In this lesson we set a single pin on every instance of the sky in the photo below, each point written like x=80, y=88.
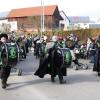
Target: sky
x=89, y=8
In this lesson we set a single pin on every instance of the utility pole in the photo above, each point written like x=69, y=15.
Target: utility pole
x=42, y=17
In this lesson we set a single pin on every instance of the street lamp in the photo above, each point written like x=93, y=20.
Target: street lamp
x=42, y=17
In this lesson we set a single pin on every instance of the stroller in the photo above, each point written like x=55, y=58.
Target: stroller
x=82, y=66
x=80, y=53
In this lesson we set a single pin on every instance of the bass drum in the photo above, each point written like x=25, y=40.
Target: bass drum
x=62, y=57
x=10, y=54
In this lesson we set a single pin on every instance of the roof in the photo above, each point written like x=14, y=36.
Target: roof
x=3, y=15
x=79, y=19
x=32, y=11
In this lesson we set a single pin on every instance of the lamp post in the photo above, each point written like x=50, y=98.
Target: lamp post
x=42, y=17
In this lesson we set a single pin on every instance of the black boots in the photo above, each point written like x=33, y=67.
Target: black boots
x=4, y=86
x=61, y=80
x=4, y=83
x=52, y=79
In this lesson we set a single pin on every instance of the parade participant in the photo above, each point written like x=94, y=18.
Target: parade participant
x=57, y=69
x=89, y=42
x=25, y=42
x=39, y=44
x=48, y=66
x=61, y=42
x=92, y=51
x=97, y=56
x=5, y=71
x=45, y=38
x=71, y=45
x=22, y=46
x=36, y=38
x=29, y=42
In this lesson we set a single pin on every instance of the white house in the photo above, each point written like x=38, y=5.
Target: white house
x=5, y=25
x=65, y=20
x=75, y=22
x=81, y=22
x=78, y=22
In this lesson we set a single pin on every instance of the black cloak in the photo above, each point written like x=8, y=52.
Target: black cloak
x=50, y=65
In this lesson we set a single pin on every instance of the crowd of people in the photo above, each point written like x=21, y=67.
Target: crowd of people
x=51, y=58
x=55, y=54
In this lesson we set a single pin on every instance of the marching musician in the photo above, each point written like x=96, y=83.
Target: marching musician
x=47, y=64
x=5, y=71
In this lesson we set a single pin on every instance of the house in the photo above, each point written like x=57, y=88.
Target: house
x=6, y=26
x=65, y=20
x=77, y=22
x=29, y=19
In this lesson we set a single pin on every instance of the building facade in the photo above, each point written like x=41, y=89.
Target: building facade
x=29, y=19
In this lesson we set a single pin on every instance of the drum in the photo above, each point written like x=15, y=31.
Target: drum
x=64, y=56
x=9, y=54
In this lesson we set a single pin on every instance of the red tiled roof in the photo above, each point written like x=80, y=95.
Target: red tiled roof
x=32, y=11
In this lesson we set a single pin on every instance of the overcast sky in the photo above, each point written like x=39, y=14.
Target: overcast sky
x=89, y=8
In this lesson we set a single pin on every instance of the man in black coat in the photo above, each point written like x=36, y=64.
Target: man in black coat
x=50, y=64
x=57, y=68
x=97, y=56
x=5, y=71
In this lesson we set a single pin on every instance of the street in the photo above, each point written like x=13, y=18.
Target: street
x=81, y=84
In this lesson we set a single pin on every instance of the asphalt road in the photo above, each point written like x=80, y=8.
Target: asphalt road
x=81, y=84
